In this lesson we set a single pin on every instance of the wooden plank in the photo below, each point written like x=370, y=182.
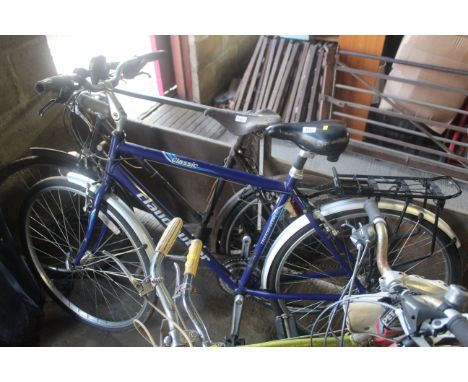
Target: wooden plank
x=156, y=114
x=287, y=112
x=254, y=78
x=371, y=44
x=285, y=78
x=265, y=75
x=245, y=78
x=324, y=106
x=172, y=116
x=178, y=66
x=182, y=122
x=187, y=69
x=263, y=70
x=304, y=82
x=271, y=79
x=280, y=75
x=187, y=123
x=315, y=82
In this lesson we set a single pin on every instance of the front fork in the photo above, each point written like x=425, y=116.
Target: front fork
x=99, y=196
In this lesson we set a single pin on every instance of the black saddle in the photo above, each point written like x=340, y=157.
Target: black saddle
x=328, y=138
x=240, y=124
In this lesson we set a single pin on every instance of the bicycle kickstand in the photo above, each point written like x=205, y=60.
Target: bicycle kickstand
x=237, y=309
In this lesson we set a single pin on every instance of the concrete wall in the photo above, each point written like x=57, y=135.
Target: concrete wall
x=23, y=61
x=216, y=60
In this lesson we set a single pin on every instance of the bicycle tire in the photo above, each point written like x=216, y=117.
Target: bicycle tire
x=445, y=250
x=98, y=293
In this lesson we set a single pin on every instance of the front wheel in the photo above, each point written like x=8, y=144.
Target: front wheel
x=300, y=263
x=54, y=220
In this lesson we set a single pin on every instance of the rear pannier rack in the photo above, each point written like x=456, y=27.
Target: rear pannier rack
x=438, y=188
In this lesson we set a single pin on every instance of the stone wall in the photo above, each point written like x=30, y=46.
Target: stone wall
x=217, y=60
x=23, y=61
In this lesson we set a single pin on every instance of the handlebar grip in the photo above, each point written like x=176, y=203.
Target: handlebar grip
x=458, y=325
x=153, y=56
x=55, y=83
x=169, y=236
x=193, y=257
x=370, y=205
x=132, y=67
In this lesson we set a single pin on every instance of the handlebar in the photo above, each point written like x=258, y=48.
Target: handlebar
x=375, y=217
x=458, y=326
x=98, y=72
x=436, y=297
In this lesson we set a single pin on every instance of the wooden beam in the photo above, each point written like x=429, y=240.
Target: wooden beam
x=178, y=66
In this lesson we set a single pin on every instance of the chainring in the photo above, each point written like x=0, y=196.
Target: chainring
x=236, y=266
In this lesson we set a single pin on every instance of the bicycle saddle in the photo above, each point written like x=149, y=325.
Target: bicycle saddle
x=240, y=124
x=328, y=138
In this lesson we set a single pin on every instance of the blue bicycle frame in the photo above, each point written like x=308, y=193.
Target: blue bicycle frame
x=115, y=172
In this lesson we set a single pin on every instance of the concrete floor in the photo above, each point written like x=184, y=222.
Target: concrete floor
x=214, y=304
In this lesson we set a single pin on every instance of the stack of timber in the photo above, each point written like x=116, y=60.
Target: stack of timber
x=289, y=77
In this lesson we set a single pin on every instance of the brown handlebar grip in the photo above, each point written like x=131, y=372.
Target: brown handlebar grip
x=193, y=257
x=169, y=236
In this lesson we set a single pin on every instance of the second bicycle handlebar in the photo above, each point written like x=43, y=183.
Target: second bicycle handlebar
x=126, y=69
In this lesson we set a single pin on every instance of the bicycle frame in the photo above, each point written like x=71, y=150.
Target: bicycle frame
x=115, y=172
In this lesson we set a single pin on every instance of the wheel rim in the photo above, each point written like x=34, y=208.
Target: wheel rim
x=99, y=292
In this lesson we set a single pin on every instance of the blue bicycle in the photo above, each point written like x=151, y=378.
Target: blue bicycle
x=75, y=226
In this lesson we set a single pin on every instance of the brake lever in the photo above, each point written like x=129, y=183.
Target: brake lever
x=47, y=106
x=143, y=73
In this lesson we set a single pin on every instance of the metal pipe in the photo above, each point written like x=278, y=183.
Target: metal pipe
x=343, y=68
x=409, y=145
x=404, y=99
x=408, y=160
x=164, y=296
x=405, y=62
x=397, y=128
x=342, y=103
x=382, y=246
x=372, y=210
x=166, y=100
x=192, y=313
x=402, y=110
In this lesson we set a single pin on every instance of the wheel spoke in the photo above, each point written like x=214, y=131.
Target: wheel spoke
x=97, y=291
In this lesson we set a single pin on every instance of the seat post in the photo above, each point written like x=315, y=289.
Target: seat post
x=297, y=169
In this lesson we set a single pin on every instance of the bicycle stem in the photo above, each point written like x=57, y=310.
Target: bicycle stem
x=372, y=209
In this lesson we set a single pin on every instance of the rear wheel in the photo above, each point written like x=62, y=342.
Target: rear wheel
x=303, y=253
x=54, y=220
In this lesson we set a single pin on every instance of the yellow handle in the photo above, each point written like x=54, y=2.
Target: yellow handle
x=193, y=257
x=169, y=236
